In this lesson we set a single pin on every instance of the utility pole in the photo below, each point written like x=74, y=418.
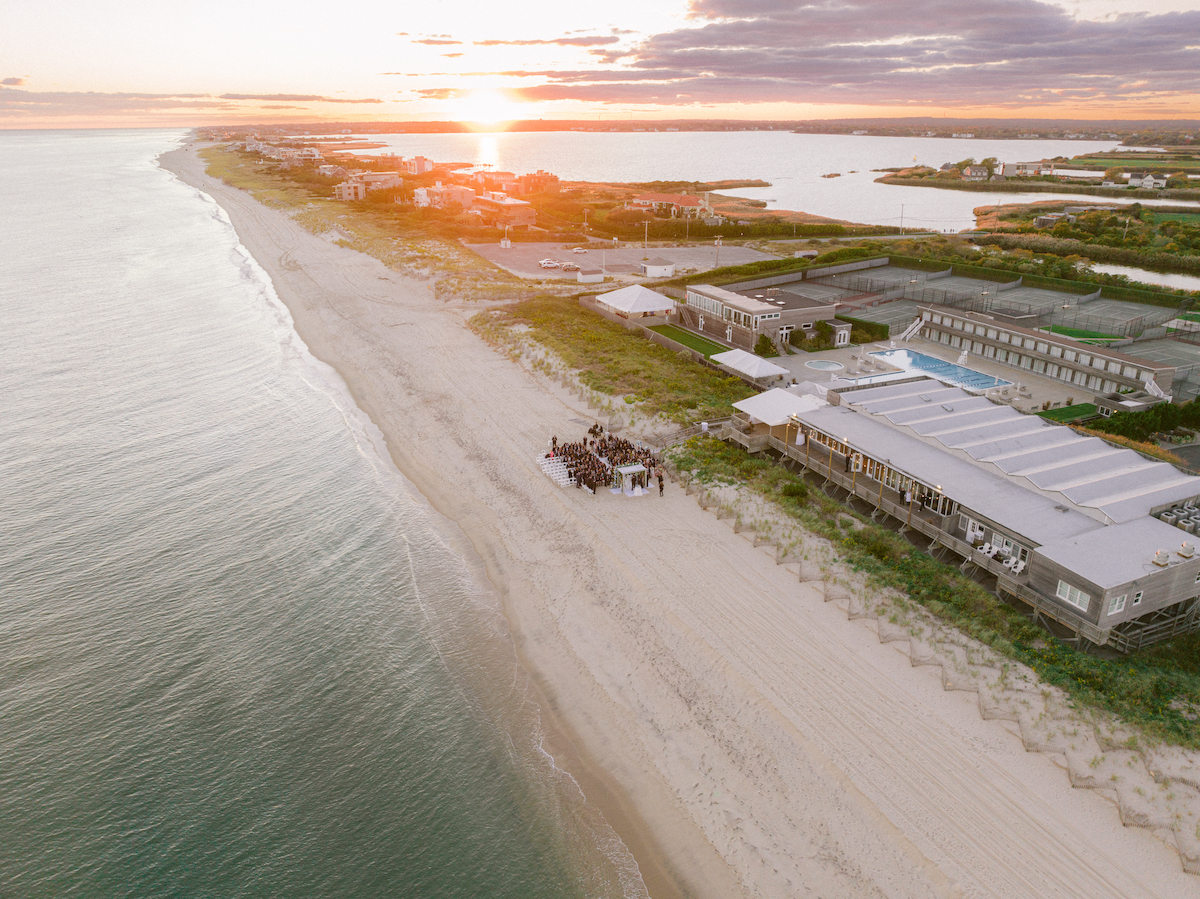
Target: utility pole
x=646, y=236
x=717, y=244
x=901, y=218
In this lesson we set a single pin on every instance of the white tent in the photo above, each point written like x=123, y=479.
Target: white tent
x=748, y=364
x=636, y=300
x=775, y=407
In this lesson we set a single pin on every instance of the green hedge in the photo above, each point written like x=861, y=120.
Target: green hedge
x=874, y=330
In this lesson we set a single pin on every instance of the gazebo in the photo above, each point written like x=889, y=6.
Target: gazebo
x=636, y=301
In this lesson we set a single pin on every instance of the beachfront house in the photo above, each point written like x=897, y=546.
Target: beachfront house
x=350, y=190
x=444, y=196
x=502, y=210
x=739, y=316
x=673, y=205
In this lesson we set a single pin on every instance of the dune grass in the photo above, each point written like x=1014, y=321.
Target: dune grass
x=614, y=361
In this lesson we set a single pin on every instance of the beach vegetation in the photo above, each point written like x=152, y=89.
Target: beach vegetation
x=612, y=361
x=1150, y=690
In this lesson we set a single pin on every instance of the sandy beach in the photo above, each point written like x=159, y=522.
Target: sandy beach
x=742, y=736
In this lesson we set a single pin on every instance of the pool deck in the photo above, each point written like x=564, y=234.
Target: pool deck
x=1035, y=391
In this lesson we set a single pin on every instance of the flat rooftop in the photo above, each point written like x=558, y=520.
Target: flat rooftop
x=1087, y=474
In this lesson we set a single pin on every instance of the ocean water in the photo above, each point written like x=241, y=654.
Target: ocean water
x=794, y=164
x=239, y=657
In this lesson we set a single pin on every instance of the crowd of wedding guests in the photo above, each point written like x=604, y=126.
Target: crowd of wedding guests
x=593, y=461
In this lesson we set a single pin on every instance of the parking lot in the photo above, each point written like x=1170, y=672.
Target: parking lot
x=621, y=262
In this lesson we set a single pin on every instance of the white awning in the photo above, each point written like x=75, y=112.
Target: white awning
x=775, y=407
x=749, y=364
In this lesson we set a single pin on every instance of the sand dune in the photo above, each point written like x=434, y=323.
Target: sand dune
x=744, y=737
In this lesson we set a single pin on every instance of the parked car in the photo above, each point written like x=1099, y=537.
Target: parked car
x=550, y=263
x=570, y=267
x=579, y=250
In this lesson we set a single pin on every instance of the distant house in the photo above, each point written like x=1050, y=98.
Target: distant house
x=379, y=180
x=975, y=173
x=440, y=197
x=1157, y=180
x=332, y=171
x=657, y=267
x=1051, y=219
x=678, y=205
x=311, y=153
x=589, y=275
x=498, y=208
x=539, y=182
x=350, y=190
x=418, y=165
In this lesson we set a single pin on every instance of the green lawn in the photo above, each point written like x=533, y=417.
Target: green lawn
x=1159, y=217
x=1190, y=317
x=690, y=340
x=1081, y=334
x=1070, y=413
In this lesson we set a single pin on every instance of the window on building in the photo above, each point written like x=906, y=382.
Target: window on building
x=991, y=333
x=1004, y=338
x=1073, y=596
x=1085, y=359
x=1056, y=351
x=937, y=319
x=1069, y=355
x=1137, y=598
x=1043, y=347
x=1116, y=604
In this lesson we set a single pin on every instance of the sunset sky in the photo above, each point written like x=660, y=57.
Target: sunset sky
x=131, y=62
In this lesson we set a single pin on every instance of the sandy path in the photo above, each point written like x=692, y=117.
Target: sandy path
x=770, y=747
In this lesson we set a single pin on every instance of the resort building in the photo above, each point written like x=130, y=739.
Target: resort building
x=740, y=316
x=1093, y=369
x=1091, y=535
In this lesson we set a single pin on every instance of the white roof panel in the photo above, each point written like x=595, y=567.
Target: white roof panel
x=1086, y=471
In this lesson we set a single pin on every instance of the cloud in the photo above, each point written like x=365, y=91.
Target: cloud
x=13, y=82
x=940, y=52
x=17, y=103
x=436, y=42
x=441, y=93
x=22, y=103
x=590, y=41
x=296, y=98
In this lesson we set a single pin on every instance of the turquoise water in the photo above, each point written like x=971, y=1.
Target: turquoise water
x=239, y=657
x=947, y=372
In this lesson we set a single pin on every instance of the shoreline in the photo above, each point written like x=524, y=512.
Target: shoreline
x=739, y=738
x=560, y=741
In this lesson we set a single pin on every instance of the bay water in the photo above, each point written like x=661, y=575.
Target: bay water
x=239, y=656
x=794, y=164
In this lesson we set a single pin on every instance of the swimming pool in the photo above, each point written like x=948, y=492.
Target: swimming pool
x=946, y=372
x=824, y=365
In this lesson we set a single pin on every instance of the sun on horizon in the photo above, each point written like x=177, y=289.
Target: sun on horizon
x=487, y=106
